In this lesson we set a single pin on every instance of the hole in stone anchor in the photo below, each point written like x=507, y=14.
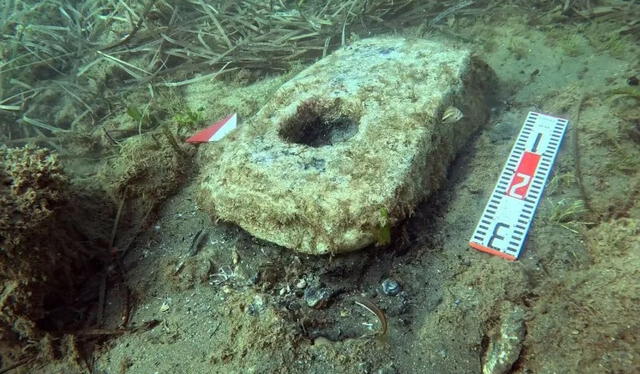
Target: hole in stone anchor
x=317, y=126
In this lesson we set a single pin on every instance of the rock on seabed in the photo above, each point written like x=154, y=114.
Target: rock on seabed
x=349, y=145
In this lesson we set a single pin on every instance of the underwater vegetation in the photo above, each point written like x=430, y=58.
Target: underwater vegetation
x=382, y=233
x=44, y=256
x=103, y=246
x=626, y=92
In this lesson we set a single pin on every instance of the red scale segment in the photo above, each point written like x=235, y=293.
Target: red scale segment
x=524, y=175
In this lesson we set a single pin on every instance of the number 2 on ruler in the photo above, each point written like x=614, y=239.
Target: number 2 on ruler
x=523, y=175
x=524, y=183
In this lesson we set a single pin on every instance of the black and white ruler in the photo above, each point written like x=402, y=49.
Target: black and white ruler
x=506, y=219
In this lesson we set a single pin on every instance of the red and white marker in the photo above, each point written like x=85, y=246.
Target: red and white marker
x=506, y=219
x=216, y=131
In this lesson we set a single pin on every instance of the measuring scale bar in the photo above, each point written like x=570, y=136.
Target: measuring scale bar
x=506, y=219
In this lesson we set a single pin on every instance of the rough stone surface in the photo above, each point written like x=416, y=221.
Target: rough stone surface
x=349, y=146
x=43, y=257
x=505, y=346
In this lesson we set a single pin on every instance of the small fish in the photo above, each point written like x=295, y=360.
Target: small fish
x=452, y=115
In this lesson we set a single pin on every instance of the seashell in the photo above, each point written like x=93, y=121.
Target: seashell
x=164, y=307
x=391, y=287
x=452, y=115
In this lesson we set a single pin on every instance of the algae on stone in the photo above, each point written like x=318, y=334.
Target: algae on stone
x=149, y=167
x=506, y=344
x=355, y=133
x=41, y=258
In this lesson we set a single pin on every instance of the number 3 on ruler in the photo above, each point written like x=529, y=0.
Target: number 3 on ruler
x=495, y=235
x=525, y=182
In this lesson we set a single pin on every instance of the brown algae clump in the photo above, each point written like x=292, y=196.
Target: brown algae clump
x=42, y=260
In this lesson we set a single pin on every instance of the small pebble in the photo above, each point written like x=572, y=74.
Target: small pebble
x=317, y=298
x=389, y=369
x=321, y=340
x=302, y=283
x=257, y=306
x=164, y=307
x=364, y=367
x=391, y=287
